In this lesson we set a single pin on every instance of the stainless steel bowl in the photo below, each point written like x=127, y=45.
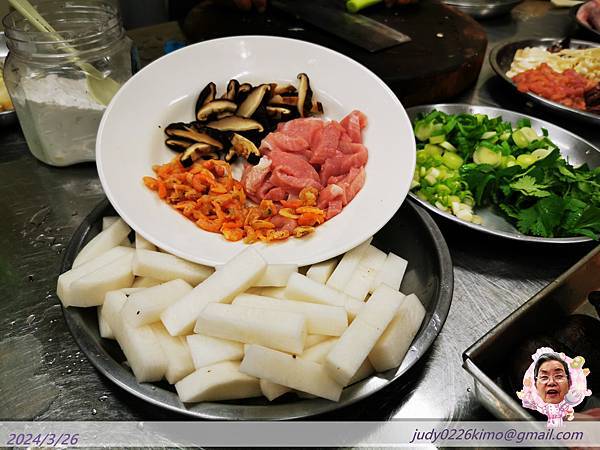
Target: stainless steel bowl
x=502, y=55
x=576, y=149
x=484, y=9
x=410, y=233
x=6, y=117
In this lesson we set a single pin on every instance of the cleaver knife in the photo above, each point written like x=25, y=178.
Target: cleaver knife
x=357, y=29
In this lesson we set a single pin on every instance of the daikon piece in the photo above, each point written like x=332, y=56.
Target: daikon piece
x=317, y=353
x=175, y=348
x=365, y=370
x=353, y=347
x=222, y=381
x=272, y=390
x=314, y=339
x=140, y=345
x=90, y=289
x=107, y=221
x=276, y=275
x=285, y=331
x=392, y=346
x=284, y=369
x=321, y=272
x=141, y=243
x=131, y=290
x=347, y=265
x=208, y=350
x=363, y=278
x=146, y=306
x=103, y=242
x=64, y=280
x=391, y=273
x=103, y=326
x=320, y=319
x=353, y=307
x=275, y=292
x=255, y=290
x=166, y=267
x=304, y=289
x=221, y=287
x=373, y=259
x=145, y=282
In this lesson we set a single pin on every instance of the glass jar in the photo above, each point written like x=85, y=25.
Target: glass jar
x=53, y=78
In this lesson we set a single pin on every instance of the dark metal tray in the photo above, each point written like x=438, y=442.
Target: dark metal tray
x=411, y=233
x=488, y=359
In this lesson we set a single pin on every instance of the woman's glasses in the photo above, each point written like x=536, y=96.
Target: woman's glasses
x=558, y=378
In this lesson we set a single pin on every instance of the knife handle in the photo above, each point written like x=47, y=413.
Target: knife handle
x=354, y=6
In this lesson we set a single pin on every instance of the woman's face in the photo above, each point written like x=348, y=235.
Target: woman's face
x=552, y=383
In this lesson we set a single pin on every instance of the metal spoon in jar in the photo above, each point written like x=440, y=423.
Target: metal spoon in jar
x=101, y=88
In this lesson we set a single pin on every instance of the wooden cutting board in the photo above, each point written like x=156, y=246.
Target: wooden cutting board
x=444, y=57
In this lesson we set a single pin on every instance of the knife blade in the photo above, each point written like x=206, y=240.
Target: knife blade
x=360, y=30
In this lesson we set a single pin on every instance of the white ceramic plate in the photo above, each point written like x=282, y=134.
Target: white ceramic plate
x=131, y=140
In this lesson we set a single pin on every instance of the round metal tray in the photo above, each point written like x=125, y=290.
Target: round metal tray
x=482, y=9
x=572, y=147
x=411, y=233
x=501, y=57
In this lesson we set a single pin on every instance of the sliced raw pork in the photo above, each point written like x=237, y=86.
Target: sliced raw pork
x=328, y=156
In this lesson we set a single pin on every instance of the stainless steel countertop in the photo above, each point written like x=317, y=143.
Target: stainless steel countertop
x=44, y=376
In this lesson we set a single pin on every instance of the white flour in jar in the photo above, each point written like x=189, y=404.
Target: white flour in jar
x=59, y=118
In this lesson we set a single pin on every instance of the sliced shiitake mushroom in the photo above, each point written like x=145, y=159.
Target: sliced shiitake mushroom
x=282, y=110
x=207, y=95
x=304, y=104
x=232, y=90
x=192, y=133
x=224, y=114
x=236, y=123
x=194, y=152
x=244, y=148
x=253, y=101
x=282, y=89
x=216, y=107
x=179, y=145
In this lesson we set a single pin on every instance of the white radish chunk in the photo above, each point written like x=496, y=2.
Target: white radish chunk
x=353, y=347
x=316, y=353
x=141, y=243
x=222, y=381
x=103, y=326
x=166, y=267
x=108, y=221
x=220, y=287
x=276, y=275
x=314, y=339
x=130, y=290
x=145, y=282
x=103, y=242
x=347, y=265
x=90, y=289
x=140, y=345
x=391, y=273
x=64, y=280
x=272, y=390
x=208, y=350
x=392, y=346
x=320, y=319
x=364, y=276
x=281, y=330
x=146, y=306
x=175, y=348
x=304, y=289
x=365, y=370
x=295, y=373
x=275, y=292
x=321, y=272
